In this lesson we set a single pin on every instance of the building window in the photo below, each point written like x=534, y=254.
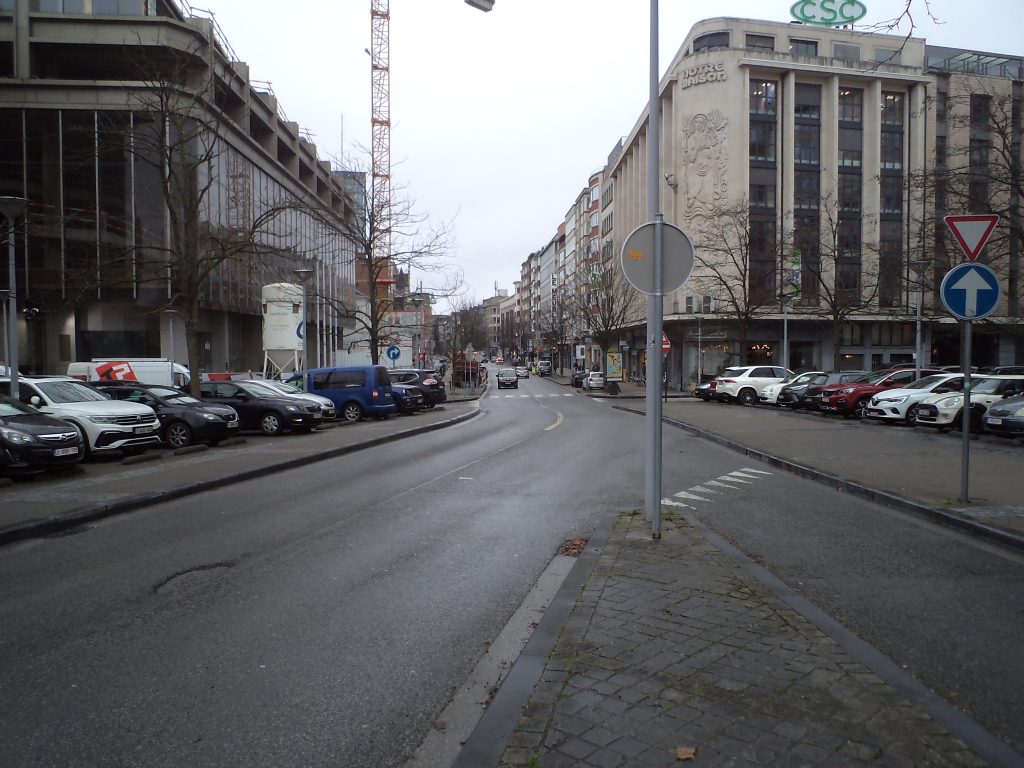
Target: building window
x=850, y=158
x=762, y=97
x=762, y=141
x=846, y=51
x=891, y=188
x=849, y=192
x=764, y=43
x=762, y=195
x=892, y=108
x=805, y=144
x=803, y=47
x=851, y=105
x=711, y=41
x=892, y=150
x=762, y=261
x=980, y=104
x=890, y=261
x=979, y=154
x=887, y=55
x=806, y=192
x=807, y=102
x=940, y=151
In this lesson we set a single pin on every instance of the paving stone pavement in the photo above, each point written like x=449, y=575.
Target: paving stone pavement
x=672, y=644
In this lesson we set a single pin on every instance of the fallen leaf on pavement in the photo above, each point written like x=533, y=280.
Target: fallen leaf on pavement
x=573, y=547
x=685, y=753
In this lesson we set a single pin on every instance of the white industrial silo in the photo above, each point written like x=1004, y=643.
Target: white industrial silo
x=282, y=335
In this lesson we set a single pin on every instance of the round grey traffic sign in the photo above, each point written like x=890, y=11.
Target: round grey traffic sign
x=638, y=258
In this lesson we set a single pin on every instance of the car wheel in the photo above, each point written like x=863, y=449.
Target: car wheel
x=86, y=448
x=352, y=411
x=912, y=415
x=860, y=409
x=178, y=434
x=747, y=396
x=270, y=423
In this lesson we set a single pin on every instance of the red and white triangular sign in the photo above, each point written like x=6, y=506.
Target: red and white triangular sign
x=972, y=231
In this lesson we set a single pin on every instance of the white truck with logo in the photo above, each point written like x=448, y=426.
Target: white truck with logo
x=145, y=370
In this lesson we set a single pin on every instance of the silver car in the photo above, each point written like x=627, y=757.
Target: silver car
x=290, y=390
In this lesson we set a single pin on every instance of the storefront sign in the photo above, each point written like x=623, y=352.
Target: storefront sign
x=828, y=13
x=703, y=73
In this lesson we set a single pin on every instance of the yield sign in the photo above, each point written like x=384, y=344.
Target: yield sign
x=972, y=231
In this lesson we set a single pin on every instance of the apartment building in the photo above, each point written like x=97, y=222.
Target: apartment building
x=86, y=91
x=814, y=164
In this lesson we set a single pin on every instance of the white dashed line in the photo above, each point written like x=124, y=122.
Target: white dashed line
x=685, y=495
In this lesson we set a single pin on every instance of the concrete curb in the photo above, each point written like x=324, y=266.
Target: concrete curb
x=877, y=495
x=47, y=526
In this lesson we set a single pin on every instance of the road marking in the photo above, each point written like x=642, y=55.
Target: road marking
x=558, y=422
x=729, y=479
x=720, y=485
x=743, y=473
x=685, y=495
x=702, y=489
x=670, y=503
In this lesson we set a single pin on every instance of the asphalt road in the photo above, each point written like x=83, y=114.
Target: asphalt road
x=325, y=615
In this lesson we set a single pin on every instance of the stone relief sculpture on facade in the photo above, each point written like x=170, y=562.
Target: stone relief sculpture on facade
x=703, y=163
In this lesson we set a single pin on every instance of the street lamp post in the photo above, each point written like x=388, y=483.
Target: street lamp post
x=11, y=208
x=303, y=274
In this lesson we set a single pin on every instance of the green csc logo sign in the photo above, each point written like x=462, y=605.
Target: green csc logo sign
x=829, y=13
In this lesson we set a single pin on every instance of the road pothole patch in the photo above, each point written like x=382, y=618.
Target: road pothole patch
x=192, y=577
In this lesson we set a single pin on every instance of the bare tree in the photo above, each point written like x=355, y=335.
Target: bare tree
x=735, y=259
x=604, y=302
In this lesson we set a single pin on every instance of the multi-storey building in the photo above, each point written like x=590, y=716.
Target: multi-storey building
x=812, y=166
x=87, y=90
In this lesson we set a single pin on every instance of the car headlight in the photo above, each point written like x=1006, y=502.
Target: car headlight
x=893, y=400
x=103, y=419
x=950, y=402
x=16, y=436
x=211, y=417
x=846, y=391
x=1016, y=410
x=293, y=408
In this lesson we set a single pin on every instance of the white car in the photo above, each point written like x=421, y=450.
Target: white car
x=327, y=406
x=770, y=394
x=594, y=380
x=944, y=411
x=902, y=404
x=744, y=384
x=105, y=424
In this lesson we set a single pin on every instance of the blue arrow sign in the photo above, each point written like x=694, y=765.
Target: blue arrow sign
x=970, y=291
x=393, y=352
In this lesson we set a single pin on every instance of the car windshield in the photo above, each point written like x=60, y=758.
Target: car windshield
x=985, y=386
x=871, y=378
x=256, y=390
x=927, y=382
x=173, y=395
x=70, y=392
x=507, y=372
x=10, y=407
x=280, y=386
x=728, y=372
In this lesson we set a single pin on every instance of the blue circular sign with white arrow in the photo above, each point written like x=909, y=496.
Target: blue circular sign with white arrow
x=970, y=291
x=393, y=352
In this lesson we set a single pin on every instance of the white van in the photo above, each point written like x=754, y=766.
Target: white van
x=145, y=370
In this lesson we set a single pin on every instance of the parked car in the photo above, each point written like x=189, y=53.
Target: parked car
x=426, y=379
x=945, y=411
x=594, y=380
x=811, y=397
x=851, y=398
x=260, y=408
x=743, y=384
x=1006, y=419
x=507, y=377
x=900, y=404
x=544, y=368
x=31, y=441
x=1002, y=370
x=105, y=425
x=522, y=372
x=355, y=390
x=290, y=390
x=184, y=420
x=408, y=398
x=578, y=377
x=772, y=394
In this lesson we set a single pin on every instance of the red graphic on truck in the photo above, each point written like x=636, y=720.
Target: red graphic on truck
x=115, y=370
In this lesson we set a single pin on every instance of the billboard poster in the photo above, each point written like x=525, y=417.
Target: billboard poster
x=613, y=366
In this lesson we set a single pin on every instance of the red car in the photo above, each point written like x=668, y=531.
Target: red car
x=851, y=398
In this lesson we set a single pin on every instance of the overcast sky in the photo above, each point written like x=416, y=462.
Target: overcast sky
x=499, y=118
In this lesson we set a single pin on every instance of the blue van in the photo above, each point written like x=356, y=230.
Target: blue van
x=356, y=390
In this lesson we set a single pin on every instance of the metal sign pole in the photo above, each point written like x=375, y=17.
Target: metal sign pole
x=965, y=420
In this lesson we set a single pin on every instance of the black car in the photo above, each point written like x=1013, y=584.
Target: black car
x=408, y=399
x=578, y=377
x=31, y=441
x=259, y=409
x=184, y=419
x=1006, y=418
x=426, y=379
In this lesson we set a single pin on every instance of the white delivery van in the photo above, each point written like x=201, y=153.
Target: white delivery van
x=145, y=370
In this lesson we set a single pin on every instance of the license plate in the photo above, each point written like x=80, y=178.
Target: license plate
x=232, y=425
x=994, y=420
x=143, y=430
x=65, y=451
x=317, y=416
